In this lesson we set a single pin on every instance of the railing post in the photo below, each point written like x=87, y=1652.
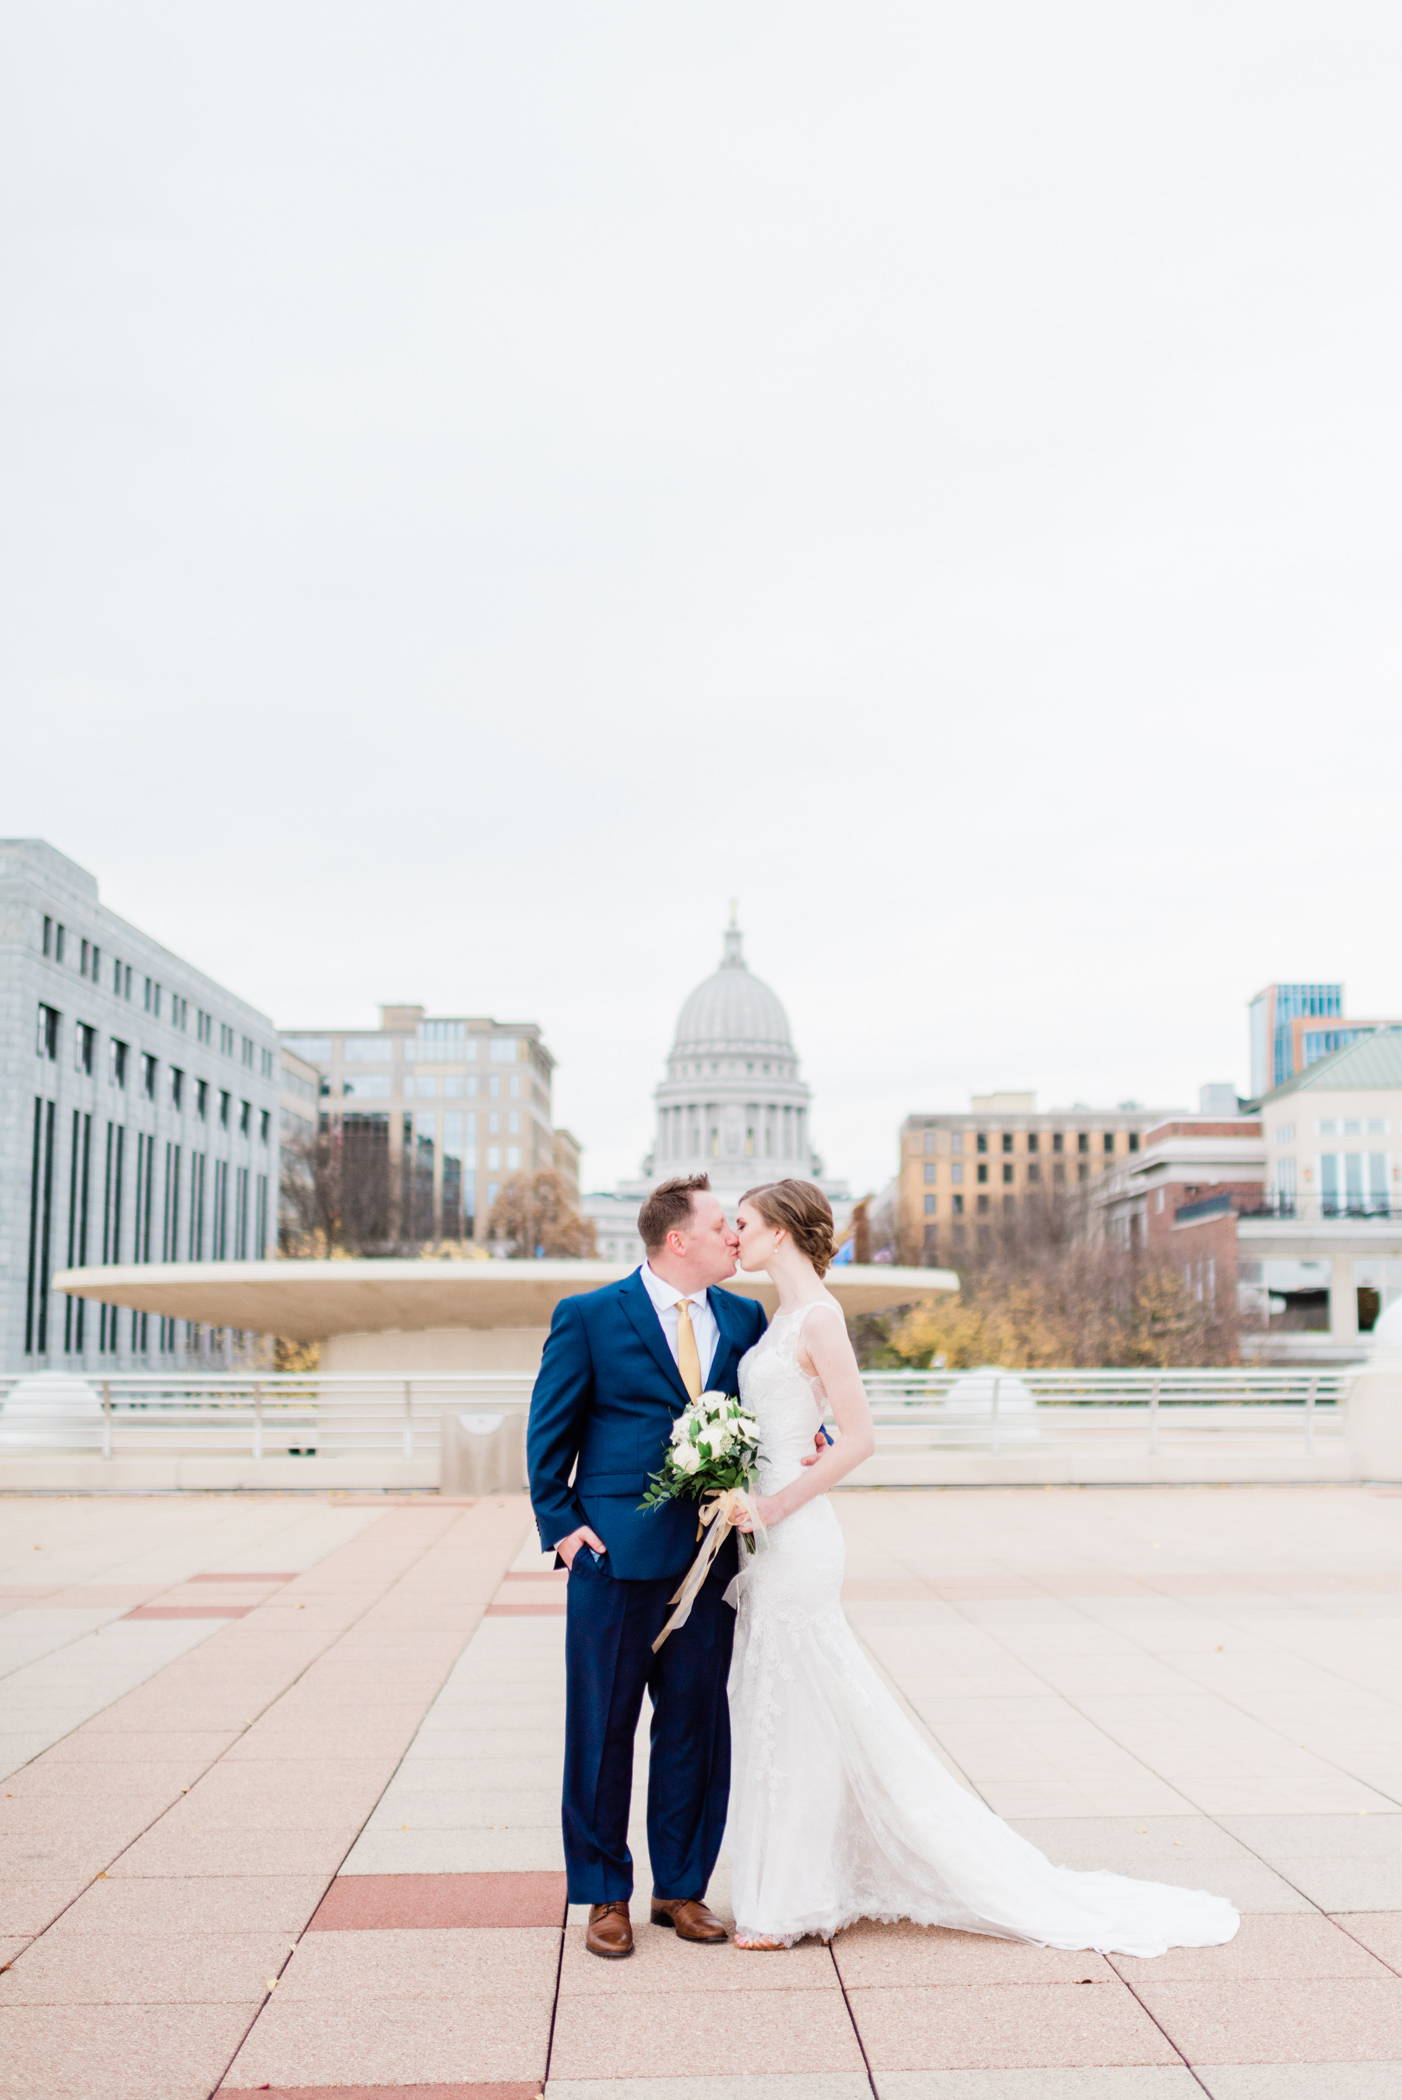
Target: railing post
x=257, y=1421
x=1154, y=1416
x=1309, y=1413
x=408, y=1418
x=106, y=1418
x=993, y=1415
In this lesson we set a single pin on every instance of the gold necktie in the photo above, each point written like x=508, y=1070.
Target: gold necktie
x=688, y=1356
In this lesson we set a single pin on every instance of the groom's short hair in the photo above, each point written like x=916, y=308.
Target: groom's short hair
x=668, y=1209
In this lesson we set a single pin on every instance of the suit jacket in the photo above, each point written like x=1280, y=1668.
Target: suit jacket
x=603, y=1406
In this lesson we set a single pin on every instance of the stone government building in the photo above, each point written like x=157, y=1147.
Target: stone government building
x=731, y=1104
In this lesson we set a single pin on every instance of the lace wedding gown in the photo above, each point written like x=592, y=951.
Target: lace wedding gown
x=838, y=1808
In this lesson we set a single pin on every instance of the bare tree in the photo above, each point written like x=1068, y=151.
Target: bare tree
x=335, y=1191
x=535, y=1218
x=1036, y=1291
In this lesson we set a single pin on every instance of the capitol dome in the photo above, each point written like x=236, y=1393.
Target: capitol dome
x=732, y=1012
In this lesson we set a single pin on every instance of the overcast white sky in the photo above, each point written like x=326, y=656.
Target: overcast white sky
x=485, y=484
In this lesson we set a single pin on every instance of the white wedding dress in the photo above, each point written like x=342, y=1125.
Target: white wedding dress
x=838, y=1808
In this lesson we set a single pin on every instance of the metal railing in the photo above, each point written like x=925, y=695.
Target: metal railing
x=253, y=1415
x=315, y=1415
x=920, y=1409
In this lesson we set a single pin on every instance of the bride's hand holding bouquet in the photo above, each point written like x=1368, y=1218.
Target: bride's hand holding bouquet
x=712, y=1459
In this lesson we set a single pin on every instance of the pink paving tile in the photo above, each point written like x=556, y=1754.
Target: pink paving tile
x=212, y=1577
x=1005, y=2027
x=1380, y=1930
x=559, y=1575
x=396, y=2041
x=29, y=1905
x=203, y=1903
x=201, y=1968
x=672, y=2036
x=117, y=2052
x=196, y=1747
x=172, y=1850
x=511, y=2089
x=190, y=1611
x=1285, y=2020
x=10, y=1947
x=661, y=1963
x=870, y=1955
x=1293, y=1944
x=526, y=1611
x=378, y=1902
x=423, y=1964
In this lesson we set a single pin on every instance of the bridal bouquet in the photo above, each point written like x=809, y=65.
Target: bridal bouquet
x=713, y=1458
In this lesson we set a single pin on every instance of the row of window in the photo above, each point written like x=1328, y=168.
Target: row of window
x=426, y=1086
x=180, y=1210
x=993, y=1141
x=119, y=1064
x=982, y=1171
x=432, y=1047
x=155, y=1001
x=983, y=1205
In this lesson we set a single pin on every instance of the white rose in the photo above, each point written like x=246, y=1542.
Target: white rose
x=687, y=1458
x=681, y=1430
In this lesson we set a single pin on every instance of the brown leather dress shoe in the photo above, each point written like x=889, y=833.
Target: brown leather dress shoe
x=609, y=1931
x=690, y=1917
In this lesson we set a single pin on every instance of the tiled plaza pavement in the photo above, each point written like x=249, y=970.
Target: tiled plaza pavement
x=282, y=1813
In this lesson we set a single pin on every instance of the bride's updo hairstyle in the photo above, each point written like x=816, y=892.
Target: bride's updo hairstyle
x=800, y=1209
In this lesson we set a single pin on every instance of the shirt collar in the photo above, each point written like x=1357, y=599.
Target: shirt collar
x=664, y=1295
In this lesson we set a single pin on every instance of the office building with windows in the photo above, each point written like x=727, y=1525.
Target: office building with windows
x=138, y=1120
x=956, y=1169
x=1294, y=1025
x=438, y=1114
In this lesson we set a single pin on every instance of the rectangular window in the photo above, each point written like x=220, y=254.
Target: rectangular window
x=1285, y=1183
x=170, y=1206
x=982, y=1171
x=79, y=1164
x=513, y=1158
x=264, y=1125
x=513, y=1087
x=983, y=1206
x=958, y=1206
x=930, y=1170
x=1134, y=1141
x=493, y=1158
x=111, y=1228
x=219, y=1216
x=1109, y=1141
x=245, y=1118
x=1058, y=1170
x=226, y=1040
x=1083, y=1141
x=425, y=1086
x=249, y=1047
x=202, y=1099
x=177, y=1087
x=930, y=1140
x=981, y=1142
x=260, y=1220
x=956, y=1171
x=513, y=1124
x=58, y=942
x=46, y=1035
x=117, y=1064
x=240, y=1214
x=48, y=935
x=148, y=1076
x=1007, y=1174
x=494, y=1089
x=1033, y=1141
x=197, y=1174
x=1082, y=1171
x=83, y=960
x=84, y=1048
x=929, y=1206
x=1378, y=1197
x=956, y=1140
x=224, y=1102
x=1007, y=1141
x=503, y=1050
x=1034, y=1170
x=1058, y=1141
x=41, y=1209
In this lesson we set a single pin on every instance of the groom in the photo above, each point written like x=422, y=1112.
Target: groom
x=619, y=1366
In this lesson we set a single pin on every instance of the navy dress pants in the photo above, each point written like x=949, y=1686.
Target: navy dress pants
x=609, y=1631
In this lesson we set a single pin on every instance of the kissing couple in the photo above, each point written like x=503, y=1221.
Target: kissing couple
x=768, y=1720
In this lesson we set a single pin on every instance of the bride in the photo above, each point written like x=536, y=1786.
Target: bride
x=838, y=1808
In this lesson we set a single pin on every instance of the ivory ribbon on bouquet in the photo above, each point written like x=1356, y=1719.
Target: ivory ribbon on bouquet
x=716, y=1522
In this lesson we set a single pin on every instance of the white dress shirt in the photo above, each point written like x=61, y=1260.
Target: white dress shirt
x=665, y=1299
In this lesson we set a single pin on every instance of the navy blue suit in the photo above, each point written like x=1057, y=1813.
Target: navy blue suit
x=602, y=1410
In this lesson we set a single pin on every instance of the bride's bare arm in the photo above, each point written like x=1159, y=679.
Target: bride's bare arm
x=828, y=1350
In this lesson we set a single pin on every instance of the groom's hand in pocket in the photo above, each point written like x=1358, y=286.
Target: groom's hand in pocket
x=567, y=1548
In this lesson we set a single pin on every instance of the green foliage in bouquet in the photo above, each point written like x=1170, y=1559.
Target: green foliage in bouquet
x=714, y=1447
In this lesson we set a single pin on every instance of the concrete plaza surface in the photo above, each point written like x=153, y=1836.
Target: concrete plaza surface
x=281, y=1813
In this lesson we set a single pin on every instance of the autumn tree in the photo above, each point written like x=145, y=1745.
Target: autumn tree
x=1037, y=1291
x=534, y=1217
